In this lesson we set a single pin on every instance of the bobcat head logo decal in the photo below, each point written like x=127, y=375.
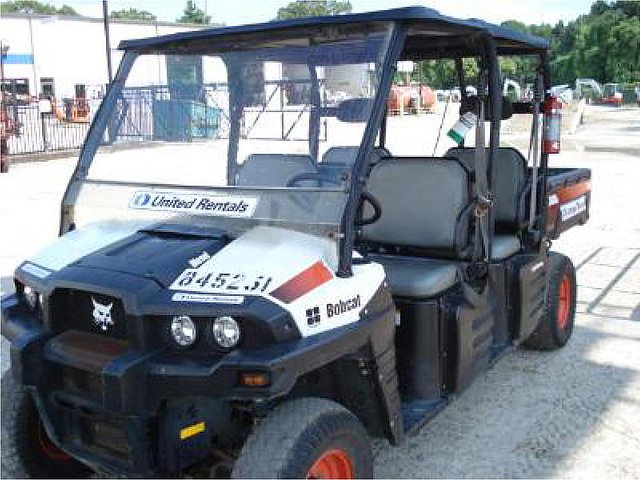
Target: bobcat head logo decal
x=102, y=314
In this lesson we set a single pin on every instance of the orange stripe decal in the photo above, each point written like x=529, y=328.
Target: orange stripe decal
x=573, y=191
x=304, y=282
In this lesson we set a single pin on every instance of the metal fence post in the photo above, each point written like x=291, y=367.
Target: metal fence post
x=44, y=131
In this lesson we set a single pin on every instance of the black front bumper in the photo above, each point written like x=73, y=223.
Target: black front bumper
x=106, y=404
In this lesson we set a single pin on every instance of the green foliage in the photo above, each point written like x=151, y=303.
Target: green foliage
x=603, y=44
x=133, y=14
x=35, y=7
x=442, y=73
x=313, y=8
x=193, y=14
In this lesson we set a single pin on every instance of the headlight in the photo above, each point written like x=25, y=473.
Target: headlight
x=183, y=330
x=31, y=297
x=226, y=332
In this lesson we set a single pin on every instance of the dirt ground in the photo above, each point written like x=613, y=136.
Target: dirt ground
x=574, y=413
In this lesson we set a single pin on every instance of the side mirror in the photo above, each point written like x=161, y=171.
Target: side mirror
x=354, y=110
x=471, y=105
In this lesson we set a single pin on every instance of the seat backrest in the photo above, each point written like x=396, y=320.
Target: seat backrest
x=340, y=156
x=422, y=200
x=508, y=180
x=273, y=170
x=338, y=161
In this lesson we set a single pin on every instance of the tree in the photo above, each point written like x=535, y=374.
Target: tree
x=33, y=6
x=133, y=14
x=313, y=8
x=193, y=14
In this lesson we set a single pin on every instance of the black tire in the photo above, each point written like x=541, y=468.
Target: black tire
x=553, y=332
x=4, y=166
x=27, y=451
x=297, y=433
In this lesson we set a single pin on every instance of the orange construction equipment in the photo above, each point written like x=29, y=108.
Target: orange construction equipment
x=412, y=98
x=76, y=110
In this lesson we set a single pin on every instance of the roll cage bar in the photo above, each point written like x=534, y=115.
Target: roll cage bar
x=419, y=33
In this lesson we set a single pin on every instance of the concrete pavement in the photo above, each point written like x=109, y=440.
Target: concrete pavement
x=572, y=413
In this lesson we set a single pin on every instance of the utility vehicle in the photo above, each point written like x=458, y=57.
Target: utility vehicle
x=250, y=281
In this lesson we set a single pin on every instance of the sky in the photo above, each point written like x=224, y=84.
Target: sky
x=235, y=12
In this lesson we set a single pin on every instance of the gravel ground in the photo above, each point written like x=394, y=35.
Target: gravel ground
x=574, y=413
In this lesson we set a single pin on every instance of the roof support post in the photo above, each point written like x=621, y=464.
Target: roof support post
x=495, y=110
x=544, y=158
x=361, y=165
x=236, y=107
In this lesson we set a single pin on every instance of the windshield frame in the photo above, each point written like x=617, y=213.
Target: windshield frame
x=100, y=126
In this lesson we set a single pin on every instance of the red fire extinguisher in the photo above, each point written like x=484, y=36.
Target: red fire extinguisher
x=552, y=110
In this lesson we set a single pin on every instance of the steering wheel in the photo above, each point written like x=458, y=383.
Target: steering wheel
x=311, y=176
x=366, y=197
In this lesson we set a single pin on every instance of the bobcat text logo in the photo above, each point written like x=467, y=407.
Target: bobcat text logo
x=343, y=306
x=102, y=314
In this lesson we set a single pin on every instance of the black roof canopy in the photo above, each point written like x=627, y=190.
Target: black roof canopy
x=430, y=34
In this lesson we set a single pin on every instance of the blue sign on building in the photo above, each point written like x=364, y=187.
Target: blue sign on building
x=17, y=59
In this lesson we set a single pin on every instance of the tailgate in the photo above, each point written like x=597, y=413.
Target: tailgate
x=569, y=191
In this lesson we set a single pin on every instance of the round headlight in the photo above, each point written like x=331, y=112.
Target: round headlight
x=226, y=332
x=31, y=297
x=183, y=330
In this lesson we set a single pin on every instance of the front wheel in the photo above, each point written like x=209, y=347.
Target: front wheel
x=556, y=326
x=27, y=450
x=307, y=438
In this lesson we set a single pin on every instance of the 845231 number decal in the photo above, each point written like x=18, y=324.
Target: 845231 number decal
x=193, y=279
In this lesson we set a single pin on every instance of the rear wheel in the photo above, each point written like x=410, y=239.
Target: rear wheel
x=27, y=450
x=556, y=327
x=307, y=438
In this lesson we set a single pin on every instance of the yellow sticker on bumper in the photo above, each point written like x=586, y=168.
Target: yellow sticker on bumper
x=191, y=430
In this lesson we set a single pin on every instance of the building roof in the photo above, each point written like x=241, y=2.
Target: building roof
x=508, y=40
x=85, y=19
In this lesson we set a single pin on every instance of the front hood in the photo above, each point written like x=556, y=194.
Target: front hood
x=202, y=268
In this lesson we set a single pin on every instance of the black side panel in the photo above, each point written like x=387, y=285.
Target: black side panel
x=418, y=350
x=500, y=299
x=529, y=273
x=474, y=337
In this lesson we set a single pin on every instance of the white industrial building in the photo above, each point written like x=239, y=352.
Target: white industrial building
x=51, y=55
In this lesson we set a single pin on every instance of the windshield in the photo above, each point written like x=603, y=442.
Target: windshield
x=248, y=132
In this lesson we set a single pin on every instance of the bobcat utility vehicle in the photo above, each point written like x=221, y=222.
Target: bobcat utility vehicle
x=250, y=281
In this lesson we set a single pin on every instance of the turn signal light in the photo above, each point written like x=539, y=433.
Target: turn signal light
x=254, y=379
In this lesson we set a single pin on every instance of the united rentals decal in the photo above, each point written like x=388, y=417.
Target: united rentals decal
x=194, y=203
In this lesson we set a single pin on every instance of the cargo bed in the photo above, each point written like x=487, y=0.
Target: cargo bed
x=569, y=193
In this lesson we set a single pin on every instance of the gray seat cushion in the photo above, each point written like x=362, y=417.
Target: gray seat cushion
x=503, y=246
x=417, y=277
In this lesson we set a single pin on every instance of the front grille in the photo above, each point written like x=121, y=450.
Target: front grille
x=83, y=382
x=89, y=312
x=108, y=438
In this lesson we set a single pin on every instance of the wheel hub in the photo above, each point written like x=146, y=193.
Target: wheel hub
x=334, y=463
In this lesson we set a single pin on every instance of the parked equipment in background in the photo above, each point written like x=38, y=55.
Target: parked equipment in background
x=612, y=94
x=593, y=91
x=411, y=98
x=74, y=110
